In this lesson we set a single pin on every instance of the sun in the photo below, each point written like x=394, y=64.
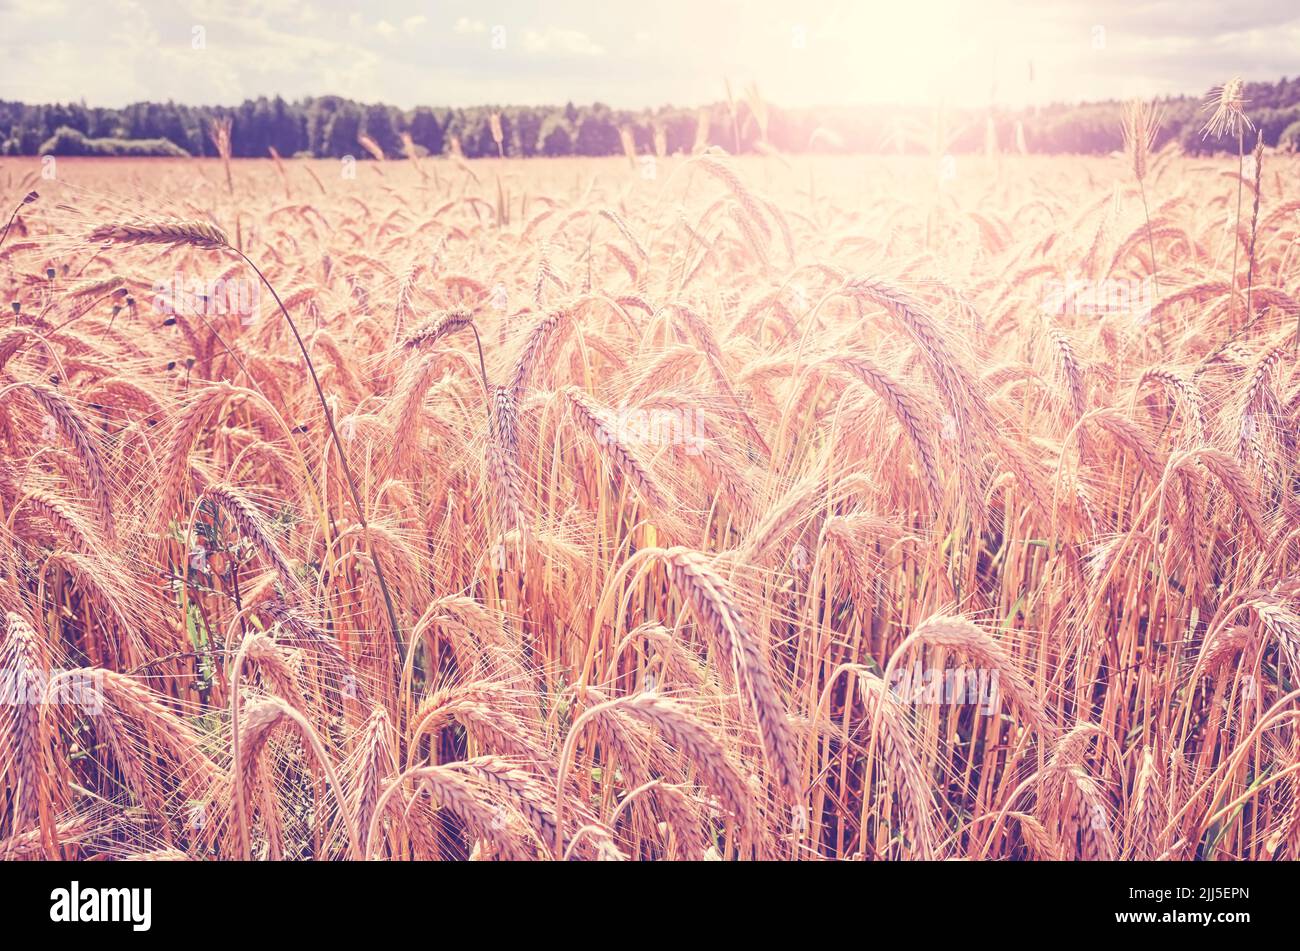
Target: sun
x=916, y=53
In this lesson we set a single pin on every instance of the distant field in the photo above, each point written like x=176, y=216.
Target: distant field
x=839, y=507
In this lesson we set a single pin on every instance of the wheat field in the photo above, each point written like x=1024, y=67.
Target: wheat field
x=700, y=508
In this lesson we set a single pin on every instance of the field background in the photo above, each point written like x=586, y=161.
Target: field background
x=763, y=444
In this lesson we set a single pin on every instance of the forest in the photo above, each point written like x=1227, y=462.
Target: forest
x=332, y=126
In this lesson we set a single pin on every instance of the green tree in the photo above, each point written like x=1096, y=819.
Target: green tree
x=597, y=133
x=378, y=124
x=342, y=131
x=425, y=130
x=555, y=136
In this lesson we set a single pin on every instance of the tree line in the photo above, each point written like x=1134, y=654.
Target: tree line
x=333, y=126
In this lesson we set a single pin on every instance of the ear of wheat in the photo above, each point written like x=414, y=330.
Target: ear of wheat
x=171, y=231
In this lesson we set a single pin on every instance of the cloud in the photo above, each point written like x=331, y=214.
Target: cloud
x=119, y=51
x=568, y=42
x=25, y=11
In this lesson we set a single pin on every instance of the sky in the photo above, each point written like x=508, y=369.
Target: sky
x=637, y=53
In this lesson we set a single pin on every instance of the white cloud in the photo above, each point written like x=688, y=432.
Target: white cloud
x=133, y=25
x=118, y=51
x=25, y=11
x=555, y=40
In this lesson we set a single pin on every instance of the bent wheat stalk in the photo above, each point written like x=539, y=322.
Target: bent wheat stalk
x=201, y=234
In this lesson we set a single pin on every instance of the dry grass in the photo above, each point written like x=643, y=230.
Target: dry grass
x=756, y=469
